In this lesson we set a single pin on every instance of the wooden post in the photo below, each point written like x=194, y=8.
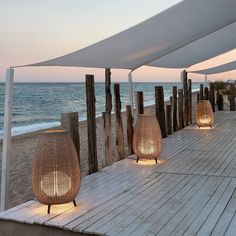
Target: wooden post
x=174, y=106
x=70, y=122
x=169, y=119
x=108, y=90
x=160, y=109
x=180, y=108
x=107, y=126
x=220, y=103
x=119, y=124
x=232, y=93
x=130, y=129
x=201, y=92
x=107, y=134
x=91, y=124
x=185, y=93
x=212, y=96
x=198, y=97
x=206, y=93
x=190, y=115
x=6, y=148
x=139, y=102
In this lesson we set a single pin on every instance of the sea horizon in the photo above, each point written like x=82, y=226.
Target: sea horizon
x=38, y=105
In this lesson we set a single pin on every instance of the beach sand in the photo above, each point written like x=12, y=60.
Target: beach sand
x=23, y=148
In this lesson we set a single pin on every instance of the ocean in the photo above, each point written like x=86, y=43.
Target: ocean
x=39, y=105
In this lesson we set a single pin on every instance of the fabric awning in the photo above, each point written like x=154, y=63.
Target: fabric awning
x=174, y=28
x=217, y=69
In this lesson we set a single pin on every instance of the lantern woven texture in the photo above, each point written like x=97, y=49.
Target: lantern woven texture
x=56, y=173
x=147, y=140
x=204, y=115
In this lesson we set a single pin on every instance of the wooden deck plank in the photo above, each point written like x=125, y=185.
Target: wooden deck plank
x=191, y=191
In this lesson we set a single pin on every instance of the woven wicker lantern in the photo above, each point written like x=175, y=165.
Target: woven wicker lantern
x=56, y=173
x=147, y=140
x=204, y=115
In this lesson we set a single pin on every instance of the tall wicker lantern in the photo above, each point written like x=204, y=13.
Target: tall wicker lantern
x=204, y=115
x=56, y=173
x=147, y=140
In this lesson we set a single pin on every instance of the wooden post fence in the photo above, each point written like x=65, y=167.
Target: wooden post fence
x=139, y=102
x=212, y=96
x=107, y=126
x=130, y=129
x=70, y=122
x=201, y=92
x=160, y=109
x=174, y=108
x=180, y=109
x=232, y=95
x=169, y=119
x=185, y=93
x=206, y=93
x=190, y=113
x=119, y=124
x=91, y=124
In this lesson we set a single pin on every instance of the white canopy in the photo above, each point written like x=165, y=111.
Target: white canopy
x=217, y=69
x=219, y=42
x=177, y=27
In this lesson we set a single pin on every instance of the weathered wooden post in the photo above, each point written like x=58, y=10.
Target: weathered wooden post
x=107, y=127
x=180, y=108
x=190, y=101
x=212, y=96
x=206, y=93
x=70, y=122
x=174, y=108
x=201, y=92
x=185, y=93
x=91, y=124
x=139, y=102
x=169, y=119
x=198, y=97
x=160, y=109
x=232, y=94
x=119, y=124
x=220, y=102
x=130, y=129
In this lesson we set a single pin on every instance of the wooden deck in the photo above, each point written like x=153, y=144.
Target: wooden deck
x=191, y=191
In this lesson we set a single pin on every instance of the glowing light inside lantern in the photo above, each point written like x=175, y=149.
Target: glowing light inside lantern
x=147, y=147
x=61, y=184
x=205, y=120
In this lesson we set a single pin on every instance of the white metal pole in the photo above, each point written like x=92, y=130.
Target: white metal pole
x=206, y=81
x=6, y=138
x=131, y=98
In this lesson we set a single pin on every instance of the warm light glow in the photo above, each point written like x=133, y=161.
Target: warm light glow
x=205, y=120
x=149, y=162
x=147, y=147
x=147, y=141
x=60, y=181
x=204, y=115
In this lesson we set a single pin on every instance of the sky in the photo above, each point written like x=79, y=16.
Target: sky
x=33, y=31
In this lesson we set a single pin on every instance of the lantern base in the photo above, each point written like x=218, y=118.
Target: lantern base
x=199, y=126
x=49, y=206
x=138, y=160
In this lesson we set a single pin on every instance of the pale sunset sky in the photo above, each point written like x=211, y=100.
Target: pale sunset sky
x=33, y=31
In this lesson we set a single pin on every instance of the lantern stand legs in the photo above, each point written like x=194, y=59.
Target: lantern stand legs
x=49, y=206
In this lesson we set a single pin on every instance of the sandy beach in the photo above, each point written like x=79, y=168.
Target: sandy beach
x=23, y=148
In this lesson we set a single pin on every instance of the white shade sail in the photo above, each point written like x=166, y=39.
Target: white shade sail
x=174, y=28
x=217, y=69
x=214, y=44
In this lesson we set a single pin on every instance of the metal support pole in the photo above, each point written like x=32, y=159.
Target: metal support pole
x=6, y=138
x=131, y=96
